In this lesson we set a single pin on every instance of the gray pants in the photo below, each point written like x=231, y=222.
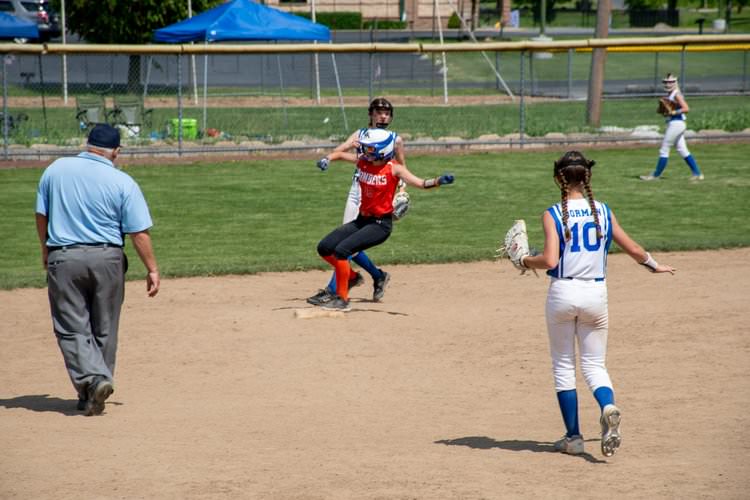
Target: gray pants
x=86, y=288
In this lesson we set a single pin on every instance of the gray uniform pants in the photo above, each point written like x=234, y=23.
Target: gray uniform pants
x=86, y=287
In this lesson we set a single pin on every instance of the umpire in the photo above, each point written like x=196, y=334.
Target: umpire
x=84, y=207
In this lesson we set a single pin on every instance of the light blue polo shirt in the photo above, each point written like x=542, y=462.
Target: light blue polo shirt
x=87, y=200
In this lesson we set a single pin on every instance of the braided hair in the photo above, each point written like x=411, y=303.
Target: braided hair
x=570, y=170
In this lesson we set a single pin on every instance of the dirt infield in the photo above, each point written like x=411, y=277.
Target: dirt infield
x=443, y=390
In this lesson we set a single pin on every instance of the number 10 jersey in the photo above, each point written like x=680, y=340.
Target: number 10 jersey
x=584, y=256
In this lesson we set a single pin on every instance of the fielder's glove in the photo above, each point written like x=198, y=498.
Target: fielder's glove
x=401, y=204
x=516, y=245
x=323, y=163
x=666, y=107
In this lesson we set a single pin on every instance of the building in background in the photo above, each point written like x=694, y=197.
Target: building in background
x=418, y=14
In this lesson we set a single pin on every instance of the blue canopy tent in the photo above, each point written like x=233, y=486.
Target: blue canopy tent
x=240, y=20
x=14, y=28
x=243, y=20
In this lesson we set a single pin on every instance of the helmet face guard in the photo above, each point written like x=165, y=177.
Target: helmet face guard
x=376, y=144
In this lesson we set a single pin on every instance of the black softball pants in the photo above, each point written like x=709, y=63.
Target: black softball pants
x=360, y=234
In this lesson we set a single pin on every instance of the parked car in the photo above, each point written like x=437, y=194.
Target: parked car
x=36, y=11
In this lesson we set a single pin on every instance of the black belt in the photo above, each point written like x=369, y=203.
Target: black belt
x=84, y=245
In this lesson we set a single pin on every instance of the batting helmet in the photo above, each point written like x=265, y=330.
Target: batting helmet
x=377, y=144
x=381, y=104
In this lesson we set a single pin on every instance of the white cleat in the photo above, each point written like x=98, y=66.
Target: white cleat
x=696, y=177
x=610, y=421
x=572, y=445
x=648, y=178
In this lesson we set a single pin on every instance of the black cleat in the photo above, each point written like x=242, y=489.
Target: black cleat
x=322, y=297
x=337, y=304
x=379, y=286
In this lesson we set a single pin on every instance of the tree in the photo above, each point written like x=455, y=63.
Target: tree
x=598, y=61
x=127, y=22
x=536, y=9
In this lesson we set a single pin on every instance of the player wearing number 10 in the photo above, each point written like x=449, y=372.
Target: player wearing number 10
x=578, y=232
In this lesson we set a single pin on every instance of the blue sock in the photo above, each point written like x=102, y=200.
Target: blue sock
x=693, y=165
x=568, y=401
x=365, y=263
x=660, y=166
x=604, y=396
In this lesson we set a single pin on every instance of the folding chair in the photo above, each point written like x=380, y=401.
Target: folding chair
x=130, y=114
x=90, y=111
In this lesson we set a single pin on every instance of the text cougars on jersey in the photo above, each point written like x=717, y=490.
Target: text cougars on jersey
x=373, y=179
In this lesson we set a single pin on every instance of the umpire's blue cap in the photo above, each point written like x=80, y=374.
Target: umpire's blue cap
x=104, y=136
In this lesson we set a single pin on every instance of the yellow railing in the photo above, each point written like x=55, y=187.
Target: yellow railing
x=635, y=44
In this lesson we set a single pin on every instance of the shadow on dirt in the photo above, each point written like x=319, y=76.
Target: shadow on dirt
x=42, y=403
x=486, y=443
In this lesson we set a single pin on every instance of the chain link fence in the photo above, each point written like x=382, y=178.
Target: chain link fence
x=249, y=100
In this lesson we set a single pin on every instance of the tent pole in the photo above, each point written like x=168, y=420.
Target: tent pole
x=484, y=54
x=64, y=57
x=338, y=88
x=205, y=87
x=445, y=64
x=149, y=61
x=316, y=62
x=179, y=104
x=5, y=108
x=192, y=61
x=44, y=102
x=283, y=99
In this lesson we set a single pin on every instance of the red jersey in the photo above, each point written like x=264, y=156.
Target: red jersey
x=378, y=185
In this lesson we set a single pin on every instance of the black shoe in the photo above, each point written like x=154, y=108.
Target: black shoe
x=337, y=304
x=99, y=390
x=82, y=402
x=355, y=280
x=323, y=296
x=379, y=286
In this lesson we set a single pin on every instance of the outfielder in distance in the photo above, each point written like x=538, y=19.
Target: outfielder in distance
x=380, y=114
x=378, y=176
x=578, y=232
x=674, y=107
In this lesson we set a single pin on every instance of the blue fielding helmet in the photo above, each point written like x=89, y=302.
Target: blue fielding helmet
x=376, y=144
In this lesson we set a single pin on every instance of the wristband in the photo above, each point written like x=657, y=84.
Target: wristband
x=431, y=183
x=650, y=263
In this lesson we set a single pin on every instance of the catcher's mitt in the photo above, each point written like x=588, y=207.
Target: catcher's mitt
x=516, y=245
x=666, y=107
x=401, y=204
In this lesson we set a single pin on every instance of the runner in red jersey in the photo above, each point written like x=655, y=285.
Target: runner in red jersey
x=378, y=178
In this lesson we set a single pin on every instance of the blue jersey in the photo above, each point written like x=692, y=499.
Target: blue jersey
x=673, y=98
x=87, y=200
x=584, y=256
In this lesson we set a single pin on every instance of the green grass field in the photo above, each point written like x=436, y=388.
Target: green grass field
x=268, y=215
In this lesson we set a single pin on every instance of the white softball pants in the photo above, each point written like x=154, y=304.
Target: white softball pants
x=674, y=136
x=577, y=309
x=351, y=210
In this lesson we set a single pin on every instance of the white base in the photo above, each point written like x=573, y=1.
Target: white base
x=317, y=312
